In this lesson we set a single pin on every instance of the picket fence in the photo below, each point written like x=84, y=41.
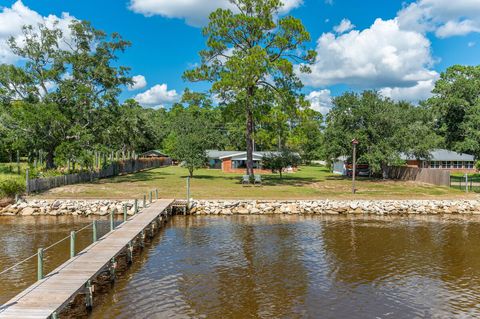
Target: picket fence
x=114, y=169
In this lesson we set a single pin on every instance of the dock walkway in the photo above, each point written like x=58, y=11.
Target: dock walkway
x=48, y=295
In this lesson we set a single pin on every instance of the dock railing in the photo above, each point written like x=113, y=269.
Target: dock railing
x=40, y=254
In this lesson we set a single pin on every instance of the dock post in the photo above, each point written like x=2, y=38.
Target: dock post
x=94, y=231
x=72, y=244
x=156, y=194
x=112, y=221
x=113, y=267
x=54, y=315
x=130, y=252
x=136, y=206
x=89, y=295
x=188, y=193
x=124, y=212
x=40, y=264
x=150, y=197
x=144, y=201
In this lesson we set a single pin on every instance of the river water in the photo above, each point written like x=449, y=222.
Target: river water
x=290, y=267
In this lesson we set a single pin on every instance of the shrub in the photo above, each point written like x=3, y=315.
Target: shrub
x=10, y=187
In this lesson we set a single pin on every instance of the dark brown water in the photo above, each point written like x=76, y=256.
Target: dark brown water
x=20, y=237
x=282, y=267
x=305, y=267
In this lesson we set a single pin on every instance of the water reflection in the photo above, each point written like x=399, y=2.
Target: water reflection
x=21, y=237
x=282, y=267
x=305, y=267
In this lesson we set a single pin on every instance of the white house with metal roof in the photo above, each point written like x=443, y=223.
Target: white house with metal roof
x=443, y=159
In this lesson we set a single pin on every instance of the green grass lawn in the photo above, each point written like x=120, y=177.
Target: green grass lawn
x=9, y=171
x=309, y=182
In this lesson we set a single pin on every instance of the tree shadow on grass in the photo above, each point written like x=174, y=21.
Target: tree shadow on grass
x=289, y=181
x=137, y=177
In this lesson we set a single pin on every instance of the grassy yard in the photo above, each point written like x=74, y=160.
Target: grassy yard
x=310, y=182
x=9, y=171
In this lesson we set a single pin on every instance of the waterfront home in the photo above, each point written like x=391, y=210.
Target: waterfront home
x=445, y=160
x=236, y=161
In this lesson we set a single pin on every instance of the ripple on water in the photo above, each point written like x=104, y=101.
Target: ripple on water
x=304, y=267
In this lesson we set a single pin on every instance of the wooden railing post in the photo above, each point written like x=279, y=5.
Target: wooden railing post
x=94, y=231
x=72, y=244
x=136, y=206
x=112, y=221
x=124, y=212
x=40, y=264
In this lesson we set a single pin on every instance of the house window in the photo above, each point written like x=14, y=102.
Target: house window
x=469, y=165
x=446, y=164
x=435, y=164
x=457, y=164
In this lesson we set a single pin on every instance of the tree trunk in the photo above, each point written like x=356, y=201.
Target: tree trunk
x=49, y=160
x=190, y=171
x=249, y=134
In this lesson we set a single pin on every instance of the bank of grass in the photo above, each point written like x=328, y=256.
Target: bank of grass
x=310, y=182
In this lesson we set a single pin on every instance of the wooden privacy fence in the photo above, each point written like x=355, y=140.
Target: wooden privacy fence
x=114, y=169
x=425, y=175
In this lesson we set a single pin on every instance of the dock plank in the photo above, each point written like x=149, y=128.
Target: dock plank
x=45, y=296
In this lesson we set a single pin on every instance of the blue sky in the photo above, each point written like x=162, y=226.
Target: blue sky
x=396, y=47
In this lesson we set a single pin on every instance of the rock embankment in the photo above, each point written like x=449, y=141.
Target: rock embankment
x=334, y=207
x=251, y=207
x=66, y=207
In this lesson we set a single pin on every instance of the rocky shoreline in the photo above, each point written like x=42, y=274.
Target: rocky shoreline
x=335, y=207
x=66, y=207
x=250, y=207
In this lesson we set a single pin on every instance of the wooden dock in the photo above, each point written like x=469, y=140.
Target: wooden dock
x=49, y=295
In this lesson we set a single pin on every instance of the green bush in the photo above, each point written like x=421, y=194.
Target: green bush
x=10, y=187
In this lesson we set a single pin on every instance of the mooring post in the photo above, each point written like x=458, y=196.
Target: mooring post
x=89, y=295
x=124, y=212
x=130, y=252
x=94, y=231
x=144, y=200
x=156, y=194
x=112, y=221
x=113, y=267
x=136, y=206
x=150, y=197
x=72, y=244
x=188, y=193
x=40, y=264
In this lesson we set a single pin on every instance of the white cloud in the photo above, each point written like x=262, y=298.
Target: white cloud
x=344, y=26
x=157, y=96
x=444, y=17
x=194, y=12
x=139, y=82
x=14, y=18
x=421, y=91
x=320, y=101
x=380, y=56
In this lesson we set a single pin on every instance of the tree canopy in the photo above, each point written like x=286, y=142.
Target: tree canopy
x=250, y=60
x=385, y=129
